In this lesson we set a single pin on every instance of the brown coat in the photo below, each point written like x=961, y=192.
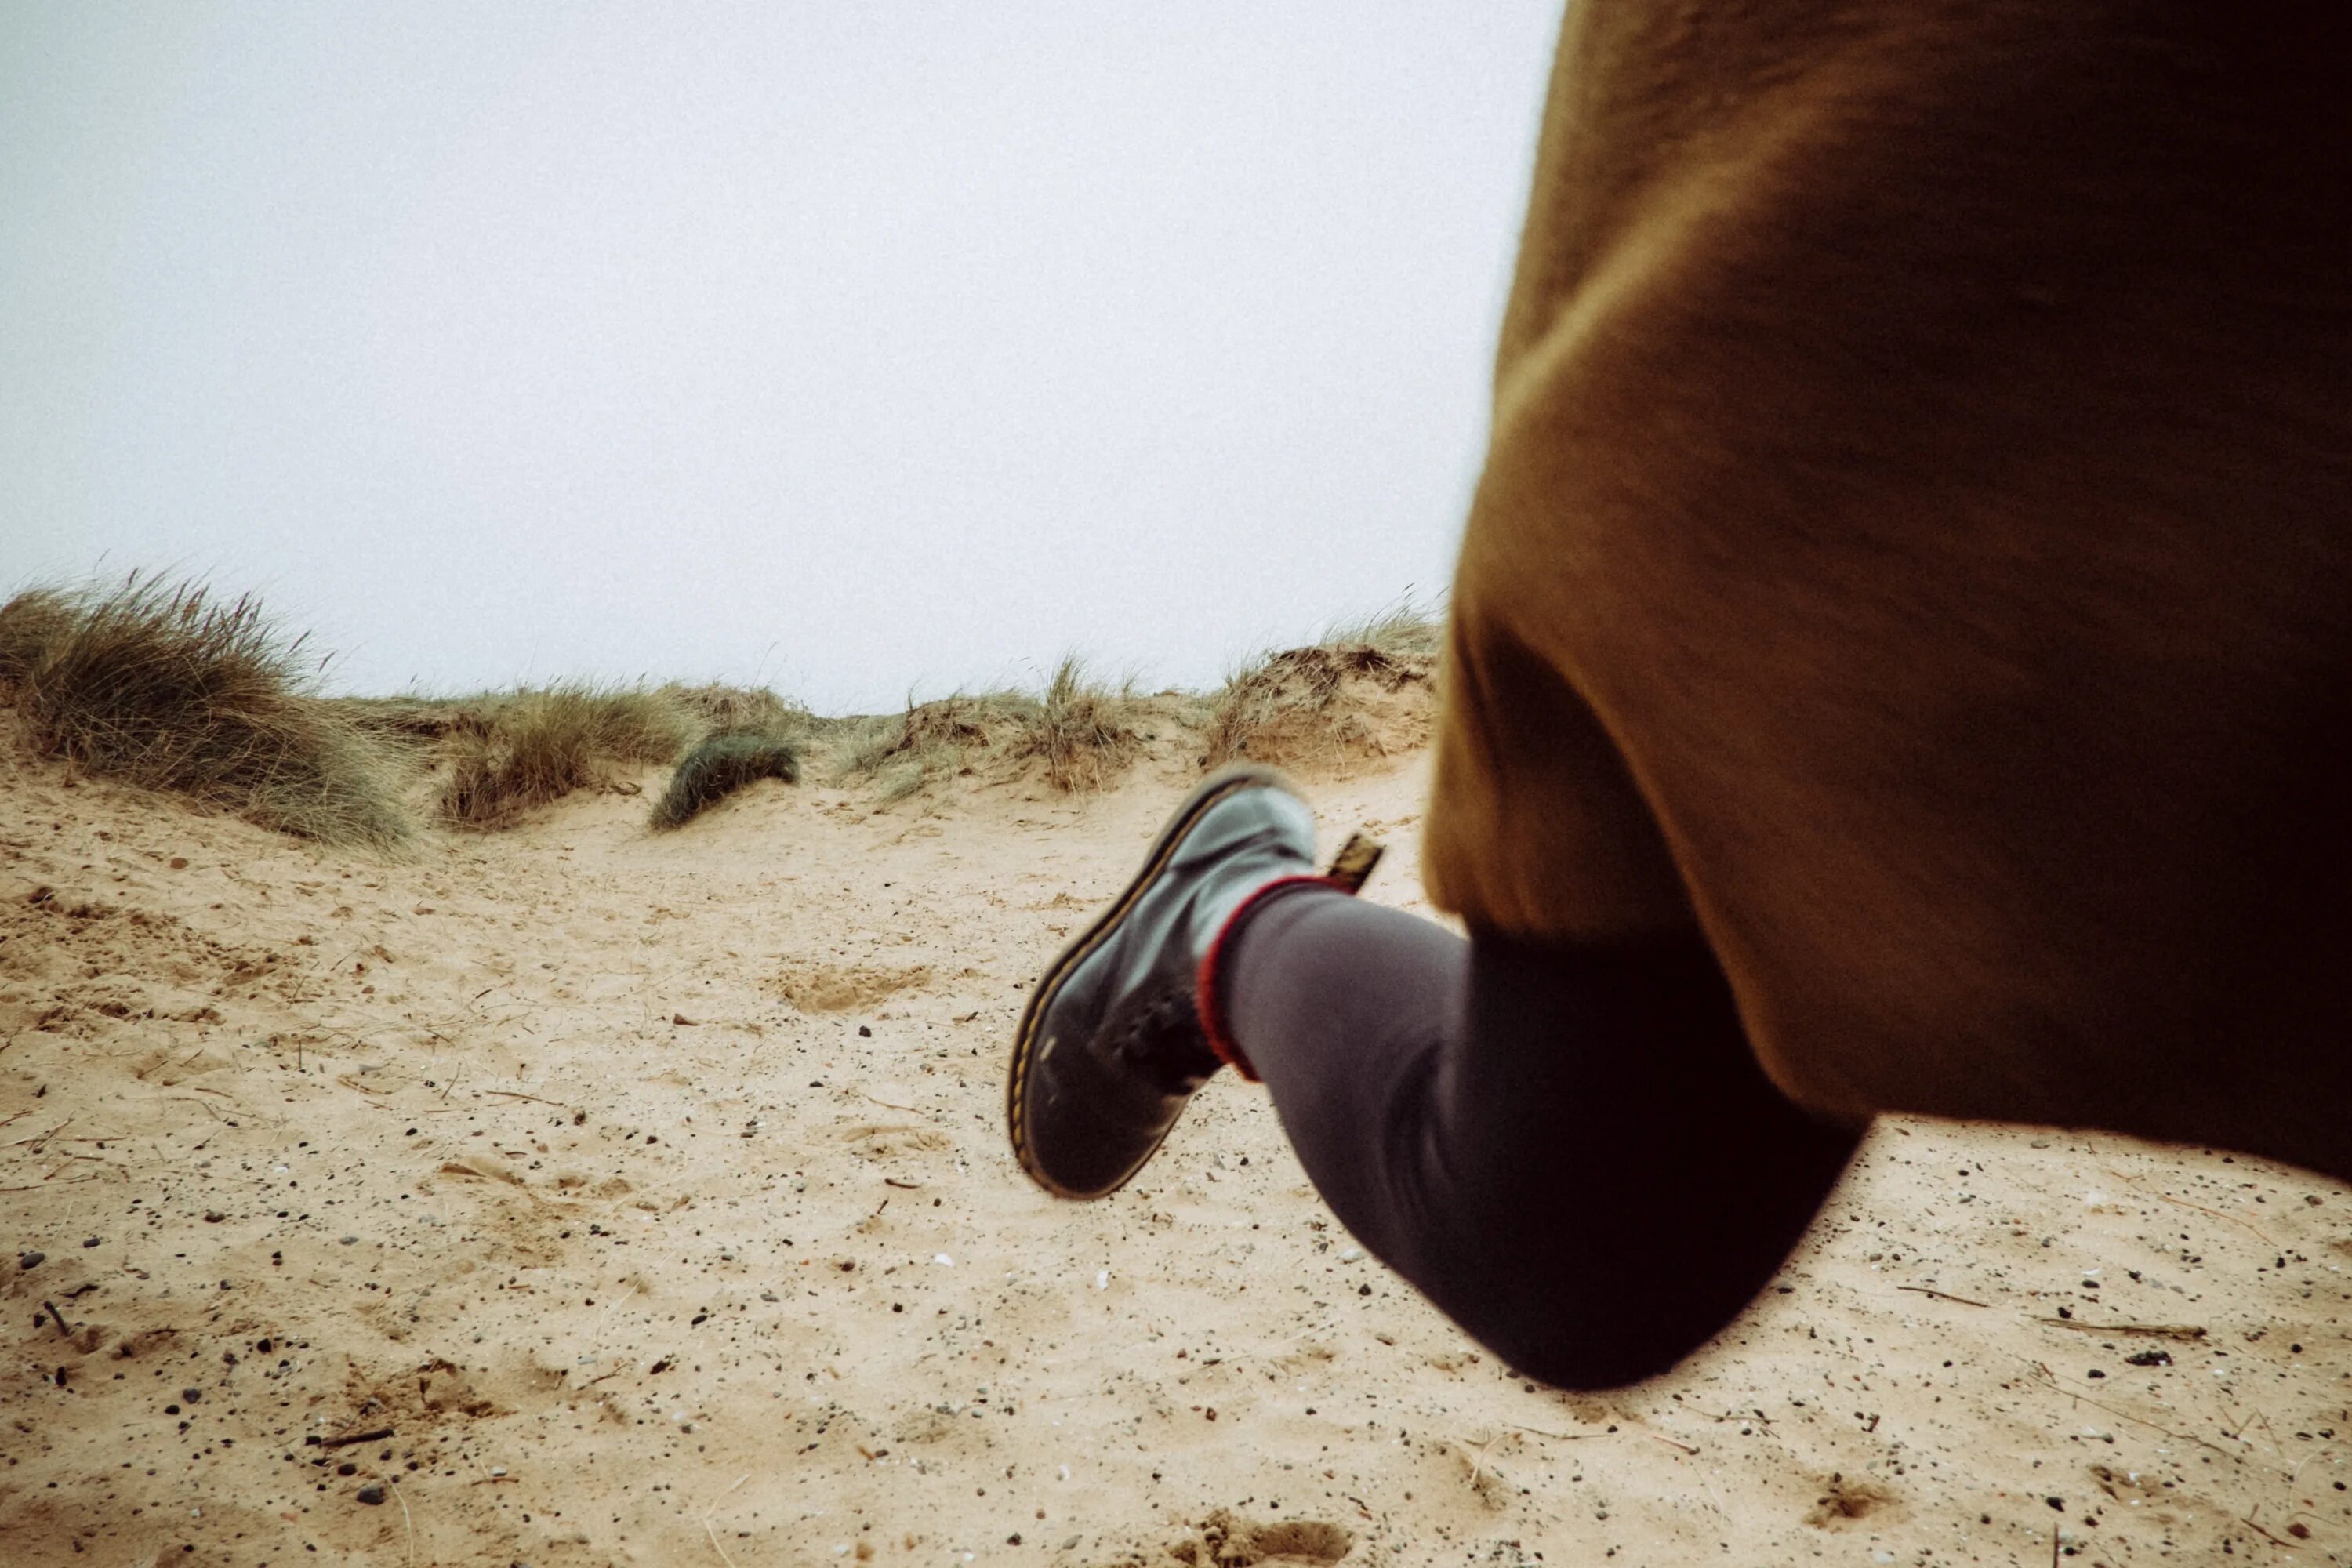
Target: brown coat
x=1916, y=550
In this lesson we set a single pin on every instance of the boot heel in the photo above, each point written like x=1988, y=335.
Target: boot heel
x=1354, y=862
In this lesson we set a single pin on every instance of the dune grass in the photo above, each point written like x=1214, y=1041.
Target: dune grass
x=162, y=684
x=719, y=764
x=743, y=708
x=165, y=684
x=900, y=754
x=1082, y=731
x=1292, y=707
x=411, y=722
x=510, y=754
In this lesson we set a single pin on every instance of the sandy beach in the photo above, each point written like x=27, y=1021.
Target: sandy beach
x=574, y=1196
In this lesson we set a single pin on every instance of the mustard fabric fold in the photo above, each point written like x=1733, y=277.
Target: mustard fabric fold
x=1916, y=550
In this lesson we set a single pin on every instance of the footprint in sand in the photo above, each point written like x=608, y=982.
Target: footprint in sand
x=838, y=987
x=1844, y=1504
x=878, y=1141
x=1226, y=1540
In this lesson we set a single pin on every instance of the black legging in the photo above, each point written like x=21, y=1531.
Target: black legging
x=1572, y=1152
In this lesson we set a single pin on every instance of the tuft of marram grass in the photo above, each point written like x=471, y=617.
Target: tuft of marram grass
x=1082, y=731
x=740, y=709
x=411, y=722
x=717, y=767
x=900, y=754
x=1405, y=632
x=510, y=754
x=1290, y=708
x=159, y=683
x=1081, y=728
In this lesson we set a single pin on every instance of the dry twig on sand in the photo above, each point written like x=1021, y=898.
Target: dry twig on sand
x=1942, y=1295
x=2134, y=1182
x=2043, y=1374
x=2142, y=1331
x=708, y=1531
x=408, y=1522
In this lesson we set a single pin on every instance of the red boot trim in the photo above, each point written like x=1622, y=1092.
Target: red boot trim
x=1212, y=1016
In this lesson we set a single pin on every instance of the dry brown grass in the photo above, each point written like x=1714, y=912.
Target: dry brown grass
x=509, y=751
x=411, y=722
x=1345, y=699
x=159, y=682
x=510, y=754
x=900, y=754
x=1084, y=732
x=1360, y=695
x=752, y=710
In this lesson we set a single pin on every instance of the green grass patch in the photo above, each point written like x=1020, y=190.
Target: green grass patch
x=717, y=767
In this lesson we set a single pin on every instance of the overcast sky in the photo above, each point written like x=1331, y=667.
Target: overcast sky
x=856, y=348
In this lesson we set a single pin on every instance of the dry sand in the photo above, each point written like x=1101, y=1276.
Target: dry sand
x=647, y=1199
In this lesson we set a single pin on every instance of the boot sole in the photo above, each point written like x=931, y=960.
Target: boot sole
x=1222, y=784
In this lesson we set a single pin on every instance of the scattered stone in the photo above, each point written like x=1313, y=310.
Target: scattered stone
x=866, y=1034
x=214, y=1216
x=30, y=1259
x=193, y=1395
x=372, y=1496
x=350, y=1241
x=93, y=1241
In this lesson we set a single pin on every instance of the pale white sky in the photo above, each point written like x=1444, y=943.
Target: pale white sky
x=854, y=348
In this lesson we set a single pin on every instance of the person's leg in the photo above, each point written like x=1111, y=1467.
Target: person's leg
x=1572, y=1152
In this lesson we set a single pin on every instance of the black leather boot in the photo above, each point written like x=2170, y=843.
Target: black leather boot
x=1112, y=1043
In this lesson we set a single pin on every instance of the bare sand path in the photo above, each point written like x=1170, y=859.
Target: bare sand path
x=590, y=1197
